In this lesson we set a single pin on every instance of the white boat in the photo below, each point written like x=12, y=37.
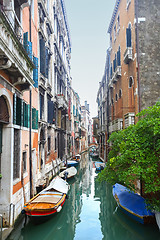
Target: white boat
x=157, y=216
x=68, y=173
x=48, y=202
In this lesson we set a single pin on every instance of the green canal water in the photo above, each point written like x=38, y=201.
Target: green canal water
x=90, y=213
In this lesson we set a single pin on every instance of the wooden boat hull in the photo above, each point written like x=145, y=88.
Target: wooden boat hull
x=132, y=204
x=77, y=158
x=48, y=202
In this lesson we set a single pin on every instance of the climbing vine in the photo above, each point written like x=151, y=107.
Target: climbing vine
x=135, y=154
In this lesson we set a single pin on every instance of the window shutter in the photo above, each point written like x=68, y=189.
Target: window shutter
x=111, y=70
x=28, y=116
x=14, y=108
x=50, y=111
x=128, y=37
x=73, y=110
x=119, y=58
x=36, y=119
x=25, y=41
x=47, y=62
x=33, y=118
x=42, y=56
x=35, y=72
x=21, y=112
x=30, y=50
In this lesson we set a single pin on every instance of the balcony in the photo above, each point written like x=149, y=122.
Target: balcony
x=110, y=84
x=128, y=55
x=118, y=72
x=13, y=56
x=62, y=102
x=116, y=125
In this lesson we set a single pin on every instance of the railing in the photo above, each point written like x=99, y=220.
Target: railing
x=12, y=19
x=128, y=55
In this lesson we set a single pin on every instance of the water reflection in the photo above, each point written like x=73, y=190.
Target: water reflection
x=89, y=213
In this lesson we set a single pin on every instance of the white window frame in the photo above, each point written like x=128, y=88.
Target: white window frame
x=128, y=3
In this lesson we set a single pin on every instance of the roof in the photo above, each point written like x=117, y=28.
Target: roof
x=113, y=16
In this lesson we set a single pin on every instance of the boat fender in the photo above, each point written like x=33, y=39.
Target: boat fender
x=59, y=208
x=23, y=211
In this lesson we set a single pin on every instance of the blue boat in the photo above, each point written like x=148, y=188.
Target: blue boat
x=132, y=204
x=72, y=163
x=99, y=166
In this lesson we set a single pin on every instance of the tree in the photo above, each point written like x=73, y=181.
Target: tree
x=135, y=154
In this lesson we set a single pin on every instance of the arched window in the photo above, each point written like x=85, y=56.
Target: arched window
x=4, y=114
x=130, y=82
x=116, y=97
x=120, y=93
x=112, y=101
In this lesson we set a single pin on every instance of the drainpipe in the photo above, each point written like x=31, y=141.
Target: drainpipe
x=30, y=128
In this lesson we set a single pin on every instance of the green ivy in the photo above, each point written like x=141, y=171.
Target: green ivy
x=135, y=154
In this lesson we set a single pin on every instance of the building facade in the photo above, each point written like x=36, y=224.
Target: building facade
x=18, y=104
x=132, y=64
x=35, y=98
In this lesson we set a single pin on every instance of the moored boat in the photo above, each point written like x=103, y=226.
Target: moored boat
x=99, y=166
x=48, y=202
x=77, y=157
x=132, y=204
x=68, y=173
x=71, y=163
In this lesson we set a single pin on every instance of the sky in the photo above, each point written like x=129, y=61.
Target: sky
x=88, y=22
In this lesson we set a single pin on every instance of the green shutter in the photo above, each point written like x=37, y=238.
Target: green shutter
x=28, y=116
x=18, y=111
x=14, y=108
x=21, y=112
x=34, y=119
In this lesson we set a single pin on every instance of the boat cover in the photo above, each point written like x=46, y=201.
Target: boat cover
x=72, y=171
x=72, y=163
x=58, y=184
x=131, y=201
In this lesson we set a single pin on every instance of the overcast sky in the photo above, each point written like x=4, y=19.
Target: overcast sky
x=88, y=22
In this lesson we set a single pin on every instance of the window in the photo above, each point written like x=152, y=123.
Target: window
x=24, y=157
x=116, y=97
x=128, y=3
x=17, y=110
x=128, y=36
x=114, y=32
x=32, y=9
x=130, y=82
x=114, y=63
x=49, y=144
x=118, y=24
x=119, y=57
x=41, y=102
x=110, y=41
x=112, y=101
x=120, y=93
x=16, y=156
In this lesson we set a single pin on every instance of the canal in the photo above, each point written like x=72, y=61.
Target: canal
x=90, y=213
